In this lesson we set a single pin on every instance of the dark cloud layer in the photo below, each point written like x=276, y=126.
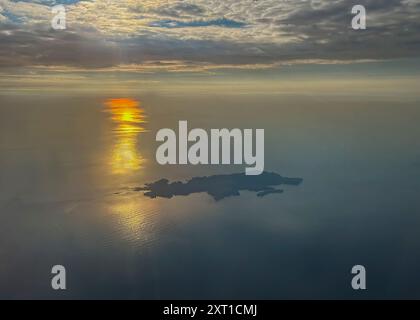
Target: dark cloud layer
x=323, y=32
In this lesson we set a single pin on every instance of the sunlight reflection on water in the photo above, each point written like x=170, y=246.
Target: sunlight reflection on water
x=129, y=120
x=134, y=214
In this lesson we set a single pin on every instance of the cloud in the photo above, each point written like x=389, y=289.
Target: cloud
x=179, y=10
x=22, y=47
x=111, y=33
x=223, y=22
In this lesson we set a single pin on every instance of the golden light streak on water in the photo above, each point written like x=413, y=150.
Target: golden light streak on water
x=129, y=119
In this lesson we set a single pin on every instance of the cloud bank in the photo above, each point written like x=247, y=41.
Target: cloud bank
x=210, y=33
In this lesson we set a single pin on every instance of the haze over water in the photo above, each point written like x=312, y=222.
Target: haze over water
x=69, y=164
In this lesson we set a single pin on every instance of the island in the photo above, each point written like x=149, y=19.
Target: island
x=220, y=186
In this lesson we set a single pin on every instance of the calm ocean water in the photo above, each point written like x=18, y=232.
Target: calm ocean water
x=68, y=166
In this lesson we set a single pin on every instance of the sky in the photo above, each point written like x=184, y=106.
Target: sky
x=204, y=37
